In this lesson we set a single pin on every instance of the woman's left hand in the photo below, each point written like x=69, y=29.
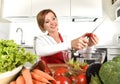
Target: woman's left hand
x=93, y=39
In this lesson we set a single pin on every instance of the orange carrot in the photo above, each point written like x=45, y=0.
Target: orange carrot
x=37, y=82
x=27, y=76
x=43, y=74
x=13, y=82
x=39, y=78
x=20, y=80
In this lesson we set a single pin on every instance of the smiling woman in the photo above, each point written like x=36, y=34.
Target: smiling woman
x=49, y=46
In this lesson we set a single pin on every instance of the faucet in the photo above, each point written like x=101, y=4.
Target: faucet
x=22, y=42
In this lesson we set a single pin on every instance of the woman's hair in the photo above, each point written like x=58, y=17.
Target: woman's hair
x=41, y=18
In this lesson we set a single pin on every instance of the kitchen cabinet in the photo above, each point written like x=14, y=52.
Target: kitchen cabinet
x=30, y=8
x=112, y=50
x=16, y=8
x=85, y=8
x=60, y=7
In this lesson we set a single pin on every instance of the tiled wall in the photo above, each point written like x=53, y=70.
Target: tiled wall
x=4, y=30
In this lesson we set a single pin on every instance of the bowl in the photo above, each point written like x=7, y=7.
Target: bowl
x=7, y=77
x=95, y=56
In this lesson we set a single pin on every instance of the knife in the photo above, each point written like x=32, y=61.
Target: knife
x=97, y=27
x=94, y=29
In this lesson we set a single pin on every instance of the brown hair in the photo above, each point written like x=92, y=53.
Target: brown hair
x=41, y=18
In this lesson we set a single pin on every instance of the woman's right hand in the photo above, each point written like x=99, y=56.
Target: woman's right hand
x=79, y=43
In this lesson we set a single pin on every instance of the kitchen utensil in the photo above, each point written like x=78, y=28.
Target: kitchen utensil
x=97, y=26
x=89, y=34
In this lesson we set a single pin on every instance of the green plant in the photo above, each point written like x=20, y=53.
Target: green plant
x=12, y=56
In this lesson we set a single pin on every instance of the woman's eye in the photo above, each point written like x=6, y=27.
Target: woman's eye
x=54, y=18
x=46, y=21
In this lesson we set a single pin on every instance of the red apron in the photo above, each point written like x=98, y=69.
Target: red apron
x=55, y=58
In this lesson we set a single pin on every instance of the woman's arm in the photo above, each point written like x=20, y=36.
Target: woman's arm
x=46, y=46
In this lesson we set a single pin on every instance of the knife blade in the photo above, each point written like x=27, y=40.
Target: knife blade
x=97, y=27
x=89, y=34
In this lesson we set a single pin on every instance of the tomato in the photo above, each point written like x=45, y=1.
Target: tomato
x=82, y=78
x=60, y=71
x=89, y=34
x=74, y=79
x=62, y=80
x=85, y=67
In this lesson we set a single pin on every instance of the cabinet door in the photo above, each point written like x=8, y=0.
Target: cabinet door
x=60, y=7
x=13, y=8
x=86, y=8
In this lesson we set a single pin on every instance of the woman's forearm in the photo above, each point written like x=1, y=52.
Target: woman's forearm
x=51, y=49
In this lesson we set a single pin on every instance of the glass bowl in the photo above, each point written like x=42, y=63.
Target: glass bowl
x=95, y=56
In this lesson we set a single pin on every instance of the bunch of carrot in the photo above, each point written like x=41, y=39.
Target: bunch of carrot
x=35, y=76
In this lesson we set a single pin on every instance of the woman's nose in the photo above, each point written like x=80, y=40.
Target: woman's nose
x=51, y=22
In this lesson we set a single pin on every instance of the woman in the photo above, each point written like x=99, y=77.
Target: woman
x=50, y=46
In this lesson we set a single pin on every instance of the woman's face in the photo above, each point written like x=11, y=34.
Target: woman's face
x=51, y=23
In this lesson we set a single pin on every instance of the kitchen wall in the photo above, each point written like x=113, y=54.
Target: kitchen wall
x=4, y=30
x=107, y=32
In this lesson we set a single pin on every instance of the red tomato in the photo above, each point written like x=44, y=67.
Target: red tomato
x=89, y=34
x=85, y=67
x=82, y=78
x=62, y=80
x=60, y=71
x=74, y=79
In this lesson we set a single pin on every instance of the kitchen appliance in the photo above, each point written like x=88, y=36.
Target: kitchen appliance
x=117, y=13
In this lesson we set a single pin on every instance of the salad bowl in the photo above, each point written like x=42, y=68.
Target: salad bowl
x=7, y=77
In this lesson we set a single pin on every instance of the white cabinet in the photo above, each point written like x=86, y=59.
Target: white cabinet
x=30, y=8
x=15, y=8
x=60, y=7
x=86, y=8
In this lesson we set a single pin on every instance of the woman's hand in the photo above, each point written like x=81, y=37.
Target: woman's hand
x=88, y=39
x=79, y=43
x=93, y=39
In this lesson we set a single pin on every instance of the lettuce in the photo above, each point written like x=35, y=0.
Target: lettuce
x=12, y=56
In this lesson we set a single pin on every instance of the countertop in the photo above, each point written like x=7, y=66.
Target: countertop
x=26, y=46
x=107, y=46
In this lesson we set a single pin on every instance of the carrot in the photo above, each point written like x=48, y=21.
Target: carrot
x=43, y=74
x=13, y=82
x=20, y=80
x=39, y=78
x=37, y=82
x=27, y=76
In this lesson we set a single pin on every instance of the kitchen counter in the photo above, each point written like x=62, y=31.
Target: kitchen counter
x=107, y=46
x=26, y=46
